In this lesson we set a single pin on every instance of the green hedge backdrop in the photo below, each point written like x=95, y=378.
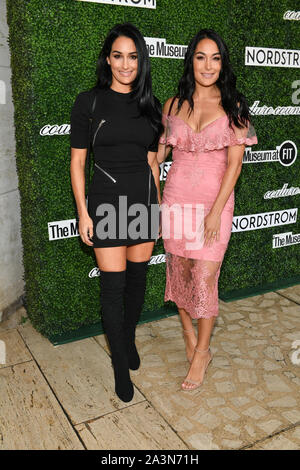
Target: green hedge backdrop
x=54, y=46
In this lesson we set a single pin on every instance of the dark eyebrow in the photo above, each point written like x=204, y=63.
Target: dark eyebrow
x=200, y=52
x=121, y=52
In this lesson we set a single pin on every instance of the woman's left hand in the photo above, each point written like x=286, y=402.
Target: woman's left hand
x=212, y=224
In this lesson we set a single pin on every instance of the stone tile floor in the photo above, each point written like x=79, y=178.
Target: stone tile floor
x=61, y=397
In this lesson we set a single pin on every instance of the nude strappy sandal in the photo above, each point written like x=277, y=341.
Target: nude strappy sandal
x=192, y=382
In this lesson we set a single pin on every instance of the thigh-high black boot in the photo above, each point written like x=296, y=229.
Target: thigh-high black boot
x=112, y=302
x=136, y=274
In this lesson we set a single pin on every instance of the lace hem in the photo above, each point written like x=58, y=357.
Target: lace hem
x=193, y=313
x=193, y=285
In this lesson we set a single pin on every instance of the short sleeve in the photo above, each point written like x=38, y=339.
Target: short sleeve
x=153, y=147
x=242, y=136
x=80, y=121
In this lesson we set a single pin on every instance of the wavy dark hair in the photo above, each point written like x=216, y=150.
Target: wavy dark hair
x=141, y=89
x=234, y=103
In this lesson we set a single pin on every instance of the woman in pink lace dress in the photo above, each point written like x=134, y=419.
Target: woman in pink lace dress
x=207, y=124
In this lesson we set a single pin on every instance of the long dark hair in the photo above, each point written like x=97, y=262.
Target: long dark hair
x=149, y=106
x=234, y=103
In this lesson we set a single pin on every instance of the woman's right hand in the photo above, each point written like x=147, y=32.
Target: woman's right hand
x=86, y=229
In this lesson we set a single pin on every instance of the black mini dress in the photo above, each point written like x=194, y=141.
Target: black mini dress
x=122, y=196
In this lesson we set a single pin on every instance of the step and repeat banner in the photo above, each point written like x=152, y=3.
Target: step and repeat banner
x=54, y=47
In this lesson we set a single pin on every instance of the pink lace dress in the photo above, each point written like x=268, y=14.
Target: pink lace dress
x=192, y=185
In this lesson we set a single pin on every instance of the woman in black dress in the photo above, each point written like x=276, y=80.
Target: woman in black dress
x=121, y=222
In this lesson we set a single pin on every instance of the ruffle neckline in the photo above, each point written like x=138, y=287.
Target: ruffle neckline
x=184, y=138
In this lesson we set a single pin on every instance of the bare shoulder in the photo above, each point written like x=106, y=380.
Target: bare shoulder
x=168, y=104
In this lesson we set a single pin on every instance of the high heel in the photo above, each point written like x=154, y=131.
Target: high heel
x=187, y=332
x=197, y=384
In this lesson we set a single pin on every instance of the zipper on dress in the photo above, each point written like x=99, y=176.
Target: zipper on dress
x=100, y=124
x=149, y=186
x=105, y=172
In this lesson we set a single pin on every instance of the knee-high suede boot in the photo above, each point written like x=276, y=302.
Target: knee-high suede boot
x=112, y=302
x=136, y=274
